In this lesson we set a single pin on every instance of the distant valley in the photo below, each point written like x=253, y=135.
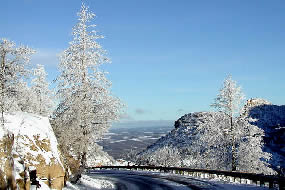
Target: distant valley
x=120, y=141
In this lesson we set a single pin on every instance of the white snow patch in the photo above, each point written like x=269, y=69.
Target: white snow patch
x=118, y=141
x=87, y=182
x=106, y=134
x=43, y=186
x=136, y=139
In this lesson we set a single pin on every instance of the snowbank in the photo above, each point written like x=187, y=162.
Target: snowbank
x=87, y=182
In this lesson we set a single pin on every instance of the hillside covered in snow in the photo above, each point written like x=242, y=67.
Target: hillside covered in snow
x=201, y=140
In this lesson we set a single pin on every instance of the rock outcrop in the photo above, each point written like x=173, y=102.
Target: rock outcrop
x=203, y=139
x=34, y=146
x=271, y=119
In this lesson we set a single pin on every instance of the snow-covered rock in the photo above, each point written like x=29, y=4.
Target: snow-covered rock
x=192, y=138
x=271, y=119
x=203, y=139
x=34, y=145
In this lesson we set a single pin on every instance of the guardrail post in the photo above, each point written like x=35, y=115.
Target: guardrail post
x=237, y=179
x=228, y=178
x=207, y=175
x=258, y=183
x=211, y=176
x=248, y=181
x=271, y=184
x=214, y=176
x=266, y=184
x=281, y=184
x=262, y=183
x=242, y=181
x=232, y=179
x=198, y=174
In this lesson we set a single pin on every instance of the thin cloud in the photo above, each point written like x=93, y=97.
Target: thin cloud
x=180, y=110
x=45, y=57
x=140, y=111
x=126, y=117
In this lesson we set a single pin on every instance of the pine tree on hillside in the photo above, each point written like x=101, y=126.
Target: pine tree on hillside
x=87, y=107
x=43, y=102
x=229, y=102
x=14, y=62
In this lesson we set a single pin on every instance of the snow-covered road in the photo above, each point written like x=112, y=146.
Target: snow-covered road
x=130, y=180
x=127, y=180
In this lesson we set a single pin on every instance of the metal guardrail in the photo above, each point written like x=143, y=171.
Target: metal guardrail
x=241, y=177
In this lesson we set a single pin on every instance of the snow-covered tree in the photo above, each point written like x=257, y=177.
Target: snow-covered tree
x=250, y=156
x=86, y=106
x=43, y=102
x=205, y=144
x=25, y=99
x=14, y=62
x=131, y=155
x=164, y=156
x=229, y=101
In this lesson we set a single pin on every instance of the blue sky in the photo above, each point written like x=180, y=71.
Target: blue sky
x=169, y=57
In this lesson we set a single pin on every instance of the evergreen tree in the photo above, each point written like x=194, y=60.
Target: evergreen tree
x=43, y=102
x=87, y=107
x=229, y=102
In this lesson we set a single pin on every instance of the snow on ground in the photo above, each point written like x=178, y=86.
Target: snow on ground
x=118, y=141
x=87, y=182
x=43, y=186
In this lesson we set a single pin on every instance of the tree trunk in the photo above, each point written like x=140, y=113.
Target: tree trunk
x=83, y=160
x=233, y=146
x=2, y=87
x=82, y=166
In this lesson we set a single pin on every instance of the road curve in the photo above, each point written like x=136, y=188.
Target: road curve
x=129, y=180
